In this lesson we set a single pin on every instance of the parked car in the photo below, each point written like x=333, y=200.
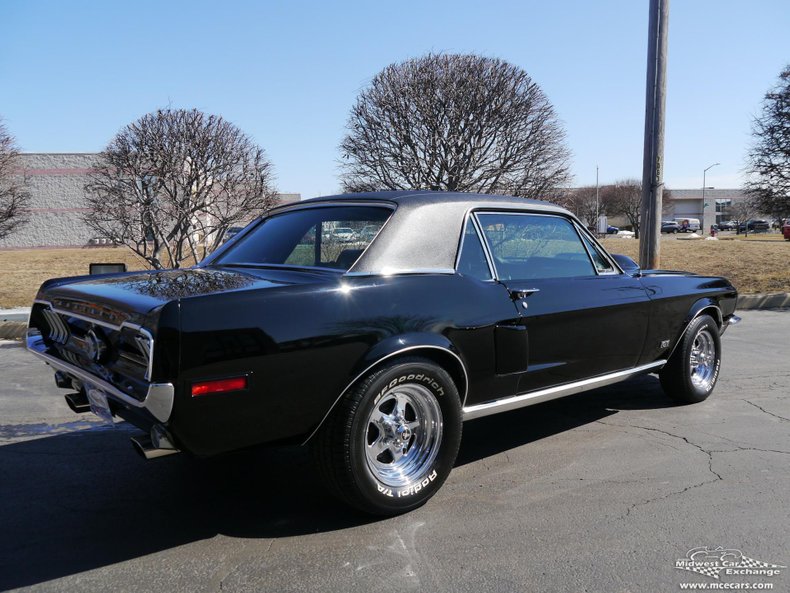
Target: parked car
x=343, y=234
x=669, y=226
x=612, y=230
x=368, y=232
x=688, y=225
x=462, y=306
x=728, y=225
x=231, y=232
x=755, y=226
x=786, y=230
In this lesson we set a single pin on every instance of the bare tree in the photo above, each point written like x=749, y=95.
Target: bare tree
x=170, y=184
x=624, y=198
x=667, y=207
x=14, y=197
x=454, y=123
x=743, y=211
x=582, y=202
x=768, y=160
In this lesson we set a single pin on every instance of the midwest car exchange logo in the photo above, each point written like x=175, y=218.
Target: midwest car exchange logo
x=730, y=562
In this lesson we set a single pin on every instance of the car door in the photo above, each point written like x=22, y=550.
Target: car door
x=497, y=349
x=583, y=316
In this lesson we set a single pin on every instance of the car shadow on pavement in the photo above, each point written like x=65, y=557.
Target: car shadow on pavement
x=81, y=501
x=488, y=436
x=84, y=500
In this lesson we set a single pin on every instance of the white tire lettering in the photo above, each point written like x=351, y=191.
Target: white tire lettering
x=415, y=488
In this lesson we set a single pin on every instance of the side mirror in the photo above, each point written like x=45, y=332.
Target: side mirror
x=628, y=265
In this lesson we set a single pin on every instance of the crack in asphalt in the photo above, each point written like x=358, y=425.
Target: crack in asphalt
x=762, y=409
x=709, y=453
x=739, y=449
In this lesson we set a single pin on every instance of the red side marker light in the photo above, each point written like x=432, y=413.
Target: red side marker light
x=219, y=386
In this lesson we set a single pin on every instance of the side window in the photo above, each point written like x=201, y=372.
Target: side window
x=602, y=265
x=472, y=261
x=527, y=246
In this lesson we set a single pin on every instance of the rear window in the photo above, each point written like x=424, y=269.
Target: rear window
x=326, y=237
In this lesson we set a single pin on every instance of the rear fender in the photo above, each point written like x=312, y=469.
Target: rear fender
x=433, y=346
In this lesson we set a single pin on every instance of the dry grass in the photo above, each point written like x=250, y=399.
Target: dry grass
x=23, y=271
x=753, y=265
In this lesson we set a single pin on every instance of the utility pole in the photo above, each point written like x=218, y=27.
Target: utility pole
x=653, y=159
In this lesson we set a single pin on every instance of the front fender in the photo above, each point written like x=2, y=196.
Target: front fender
x=706, y=304
x=699, y=306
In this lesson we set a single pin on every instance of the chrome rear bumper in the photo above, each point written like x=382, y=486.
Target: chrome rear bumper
x=158, y=400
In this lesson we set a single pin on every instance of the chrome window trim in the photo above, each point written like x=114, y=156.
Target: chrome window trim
x=213, y=259
x=535, y=397
x=569, y=220
x=459, y=252
x=401, y=272
x=585, y=233
x=379, y=361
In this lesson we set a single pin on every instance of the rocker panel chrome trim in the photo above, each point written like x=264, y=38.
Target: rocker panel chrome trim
x=535, y=397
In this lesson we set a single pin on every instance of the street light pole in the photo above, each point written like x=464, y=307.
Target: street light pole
x=704, y=204
x=597, y=204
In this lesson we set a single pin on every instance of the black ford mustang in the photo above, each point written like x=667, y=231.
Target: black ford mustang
x=369, y=326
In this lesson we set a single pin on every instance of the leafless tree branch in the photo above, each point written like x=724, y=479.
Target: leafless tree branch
x=624, y=198
x=768, y=160
x=169, y=185
x=14, y=196
x=454, y=123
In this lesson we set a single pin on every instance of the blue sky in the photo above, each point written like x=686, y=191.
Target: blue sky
x=73, y=73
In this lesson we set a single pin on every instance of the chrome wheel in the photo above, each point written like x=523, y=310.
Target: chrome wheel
x=702, y=360
x=403, y=434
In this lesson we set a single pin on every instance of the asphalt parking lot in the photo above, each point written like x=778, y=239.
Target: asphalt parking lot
x=602, y=491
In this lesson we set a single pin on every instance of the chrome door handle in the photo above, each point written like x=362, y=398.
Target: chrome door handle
x=522, y=293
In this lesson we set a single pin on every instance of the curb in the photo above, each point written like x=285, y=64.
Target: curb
x=777, y=300
x=12, y=330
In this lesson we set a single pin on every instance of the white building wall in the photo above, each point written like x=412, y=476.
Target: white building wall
x=56, y=183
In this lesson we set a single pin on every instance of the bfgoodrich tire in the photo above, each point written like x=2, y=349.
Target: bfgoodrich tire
x=691, y=373
x=391, y=442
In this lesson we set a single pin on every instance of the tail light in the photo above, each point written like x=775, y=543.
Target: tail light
x=219, y=386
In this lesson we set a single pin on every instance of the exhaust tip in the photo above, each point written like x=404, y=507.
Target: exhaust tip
x=143, y=445
x=78, y=402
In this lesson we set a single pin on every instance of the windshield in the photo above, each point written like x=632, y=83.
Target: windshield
x=323, y=237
